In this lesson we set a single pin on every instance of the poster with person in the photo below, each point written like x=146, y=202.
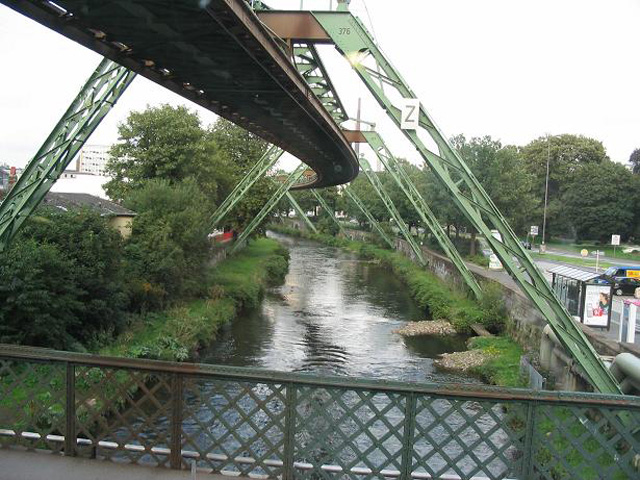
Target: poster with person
x=597, y=306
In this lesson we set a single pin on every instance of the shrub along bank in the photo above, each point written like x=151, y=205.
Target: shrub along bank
x=441, y=301
x=234, y=284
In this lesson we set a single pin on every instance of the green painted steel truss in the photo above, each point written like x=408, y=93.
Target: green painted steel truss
x=96, y=98
x=301, y=213
x=372, y=220
x=391, y=208
x=325, y=206
x=420, y=205
x=284, y=187
x=354, y=42
x=262, y=166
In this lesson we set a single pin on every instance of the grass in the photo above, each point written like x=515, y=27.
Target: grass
x=175, y=334
x=504, y=366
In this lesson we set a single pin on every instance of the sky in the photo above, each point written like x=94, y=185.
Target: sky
x=513, y=69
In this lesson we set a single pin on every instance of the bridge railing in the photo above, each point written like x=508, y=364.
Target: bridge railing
x=261, y=423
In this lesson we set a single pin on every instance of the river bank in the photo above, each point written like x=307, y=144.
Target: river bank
x=233, y=285
x=442, y=302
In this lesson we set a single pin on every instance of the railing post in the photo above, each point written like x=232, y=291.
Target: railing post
x=175, y=459
x=407, y=438
x=529, y=441
x=289, y=432
x=70, y=411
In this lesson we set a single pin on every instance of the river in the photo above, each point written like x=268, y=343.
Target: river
x=334, y=315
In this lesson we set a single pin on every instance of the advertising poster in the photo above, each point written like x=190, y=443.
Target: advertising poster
x=597, y=305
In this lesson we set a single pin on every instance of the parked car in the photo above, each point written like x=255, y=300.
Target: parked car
x=625, y=280
x=526, y=244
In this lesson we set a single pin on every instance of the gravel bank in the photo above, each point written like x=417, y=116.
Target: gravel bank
x=462, y=361
x=427, y=327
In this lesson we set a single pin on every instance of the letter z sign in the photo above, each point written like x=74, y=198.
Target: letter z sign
x=410, y=114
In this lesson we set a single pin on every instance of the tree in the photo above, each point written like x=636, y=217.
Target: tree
x=600, y=201
x=165, y=143
x=167, y=251
x=566, y=154
x=634, y=160
x=95, y=249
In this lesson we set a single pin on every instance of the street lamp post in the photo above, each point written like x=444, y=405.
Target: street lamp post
x=543, y=246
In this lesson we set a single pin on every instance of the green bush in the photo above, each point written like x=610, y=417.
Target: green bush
x=61, y=281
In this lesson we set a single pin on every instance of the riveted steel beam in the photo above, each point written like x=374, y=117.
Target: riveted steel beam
x=96, y=98
x=325, y=206
x=301, y=213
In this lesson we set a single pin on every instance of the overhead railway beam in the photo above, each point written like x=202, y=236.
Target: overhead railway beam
x=217, y=54
x=354, y=42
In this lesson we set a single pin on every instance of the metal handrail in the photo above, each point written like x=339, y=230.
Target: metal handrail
x=449, y=390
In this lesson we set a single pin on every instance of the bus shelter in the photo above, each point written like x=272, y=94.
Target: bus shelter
x=587, y=298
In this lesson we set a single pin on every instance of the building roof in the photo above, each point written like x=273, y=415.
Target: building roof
x=70, y=201
x=574, y=273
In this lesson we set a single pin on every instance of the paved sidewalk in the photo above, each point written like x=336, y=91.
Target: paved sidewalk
x=23, y=465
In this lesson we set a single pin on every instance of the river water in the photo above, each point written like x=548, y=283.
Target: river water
x=335, y=315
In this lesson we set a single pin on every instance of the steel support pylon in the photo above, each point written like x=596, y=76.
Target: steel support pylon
x=393, y=211
x=267, y=161
x=325, y=206
x=301, y=213
x=372, y=220
x=96, y=98
x=428, y=217
x=271, y=203
x=355, y=43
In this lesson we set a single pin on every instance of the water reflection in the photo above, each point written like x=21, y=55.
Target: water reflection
x=335, y=314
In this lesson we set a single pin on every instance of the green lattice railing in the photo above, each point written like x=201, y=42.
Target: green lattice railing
x=254, y=422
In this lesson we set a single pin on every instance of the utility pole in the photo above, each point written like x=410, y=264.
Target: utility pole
x=543, y=246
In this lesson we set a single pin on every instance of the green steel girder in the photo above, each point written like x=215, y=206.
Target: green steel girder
x=353, y=41
x=393, y=211
x=325, y=206
x=372, y=220
x=96, y=98
x=308, y=63
x=428, y=217
x=270, y=205
x=267, y=161
x=301, y=212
